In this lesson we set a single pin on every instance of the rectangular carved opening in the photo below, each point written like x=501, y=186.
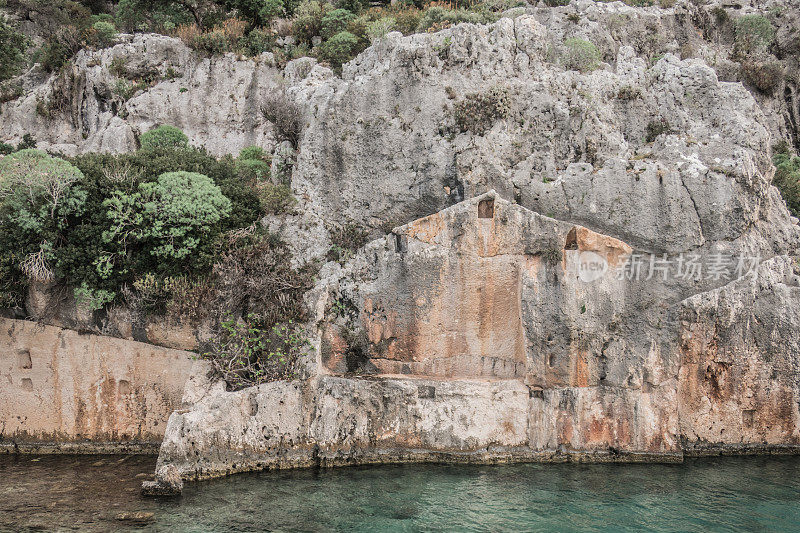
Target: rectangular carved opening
x=24, y=359
x=486, y=208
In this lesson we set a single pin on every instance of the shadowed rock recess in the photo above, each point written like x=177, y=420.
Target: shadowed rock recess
x=594, y=266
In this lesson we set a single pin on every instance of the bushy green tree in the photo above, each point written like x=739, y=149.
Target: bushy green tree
x=253, y=169
x=39, y=194
x=308, y=20
x=271, y=9
x=39, y=189
x=339, y=49
x=164, y=137
x=171, y=218
x=334, y=22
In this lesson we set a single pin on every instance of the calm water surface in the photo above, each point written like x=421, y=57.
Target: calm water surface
x=92, y=493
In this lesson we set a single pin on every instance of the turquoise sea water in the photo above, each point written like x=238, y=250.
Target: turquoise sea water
x=712, y=494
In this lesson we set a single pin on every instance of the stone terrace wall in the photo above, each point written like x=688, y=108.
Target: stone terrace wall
x=61, y=391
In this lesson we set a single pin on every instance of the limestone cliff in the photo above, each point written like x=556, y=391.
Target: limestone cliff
x=479, y=334
x=495, y=316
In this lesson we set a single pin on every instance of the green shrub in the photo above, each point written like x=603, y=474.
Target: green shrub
x=346, y=240
x=378, y=29
x=27, y=142
x=353, y=6
x=655, y=128
x=271, y=9
x=257, y=42
x=276, y=199
x=39, y=188
x=86, y=256
x=477, y=112
x=247, y=352
x=92, y=299
x=161, y=16
x=12, y=50
x=580, y=55
x=253, y=169
x=59, y=48
x=171, y=217
x=787, y=180
x=253, y=152
x=753, y=32
x=213, y=42
x=255, y=281
x=39, y=195
x=339, y=49
x=308, y=20
x=105, y=32
x=5, y=149
x=437, y=17
x=10, y=90
x=164, y=137
x=334, y=22
x=766, y=76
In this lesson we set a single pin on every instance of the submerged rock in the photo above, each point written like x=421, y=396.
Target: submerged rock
x=167, y=482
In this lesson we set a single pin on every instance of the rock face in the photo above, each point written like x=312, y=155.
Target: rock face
x=64, y=392
x=566, y=264
x=89, y=106
x=628, y=290
x=535, y=353
x=741, y=361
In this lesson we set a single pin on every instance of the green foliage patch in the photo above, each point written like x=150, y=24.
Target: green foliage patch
x=787, y=180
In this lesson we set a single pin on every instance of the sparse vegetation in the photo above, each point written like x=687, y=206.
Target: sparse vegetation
x=477, y=112
x=286, y=115
x=346, y=239
x=787, y=180
x=655, y=128
x=259, y=337
x=753, y=33
x=581, y=55
x=246, y=352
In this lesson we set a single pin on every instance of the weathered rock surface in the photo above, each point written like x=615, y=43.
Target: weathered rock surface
x=216, y=101
x=739, y=383
x=62, y=391
x=380, y=146
x=472, y=334
x=167, y=482
x=487, y=332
